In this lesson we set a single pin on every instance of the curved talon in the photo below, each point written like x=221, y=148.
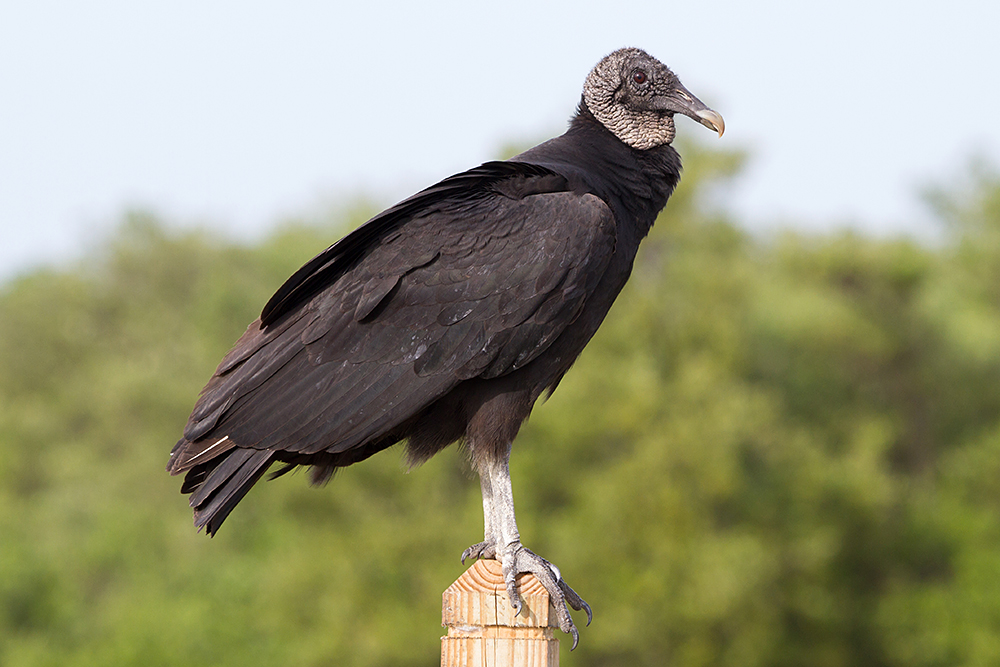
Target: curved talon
x=510, y=580
x=576, y=601
x=516, y=559
x=482, y=550
x=515, y=599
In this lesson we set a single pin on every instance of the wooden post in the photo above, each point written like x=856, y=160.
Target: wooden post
x=482, y=628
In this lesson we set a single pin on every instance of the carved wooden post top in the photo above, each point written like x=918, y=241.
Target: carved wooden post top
x=482, y=627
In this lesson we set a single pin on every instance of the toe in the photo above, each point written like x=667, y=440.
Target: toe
x=510, y=580
x=472, y=552
x=481, y=550
x=575, y=601
x=562, y=596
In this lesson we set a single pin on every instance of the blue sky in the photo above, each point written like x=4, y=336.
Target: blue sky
x=236, y=114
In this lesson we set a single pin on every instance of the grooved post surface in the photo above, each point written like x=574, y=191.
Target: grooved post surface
x=482, y=628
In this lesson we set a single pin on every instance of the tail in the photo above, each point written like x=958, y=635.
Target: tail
x=217, y=485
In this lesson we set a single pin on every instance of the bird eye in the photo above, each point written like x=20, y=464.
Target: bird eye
x=639, y=77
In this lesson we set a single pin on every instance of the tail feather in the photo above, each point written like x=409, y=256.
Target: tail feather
x=225, y=485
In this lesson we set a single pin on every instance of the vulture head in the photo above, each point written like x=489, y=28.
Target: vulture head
x=635, y=96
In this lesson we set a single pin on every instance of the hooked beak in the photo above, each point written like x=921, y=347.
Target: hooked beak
x=711, y=120
x=680, y=100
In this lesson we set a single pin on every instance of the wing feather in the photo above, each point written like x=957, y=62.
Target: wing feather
x=480, y=286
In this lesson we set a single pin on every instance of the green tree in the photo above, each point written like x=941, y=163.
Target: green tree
x=777, y=451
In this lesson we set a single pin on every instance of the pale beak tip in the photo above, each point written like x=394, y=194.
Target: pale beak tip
x=712, y=120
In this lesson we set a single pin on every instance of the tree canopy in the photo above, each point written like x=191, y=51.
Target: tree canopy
x=777, y=451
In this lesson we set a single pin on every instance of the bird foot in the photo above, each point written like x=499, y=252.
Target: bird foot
x=483, y=550
x=516, y=559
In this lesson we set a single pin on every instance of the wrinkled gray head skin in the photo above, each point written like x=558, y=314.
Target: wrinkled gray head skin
x=635, y=96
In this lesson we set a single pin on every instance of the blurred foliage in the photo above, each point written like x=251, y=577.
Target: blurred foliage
x=780, y=451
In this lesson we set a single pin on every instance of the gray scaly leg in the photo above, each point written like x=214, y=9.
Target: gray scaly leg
x=503, y=542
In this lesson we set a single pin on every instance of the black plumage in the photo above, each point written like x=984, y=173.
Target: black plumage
x=445, y=317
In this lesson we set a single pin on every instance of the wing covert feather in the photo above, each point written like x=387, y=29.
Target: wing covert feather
x=450, y=295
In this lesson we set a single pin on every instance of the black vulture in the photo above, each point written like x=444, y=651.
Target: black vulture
x=445, y=317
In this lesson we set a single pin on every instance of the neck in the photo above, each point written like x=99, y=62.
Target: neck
x=641, y=179
x=634, y=183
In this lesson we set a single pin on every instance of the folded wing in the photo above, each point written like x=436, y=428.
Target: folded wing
x=457, y=288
